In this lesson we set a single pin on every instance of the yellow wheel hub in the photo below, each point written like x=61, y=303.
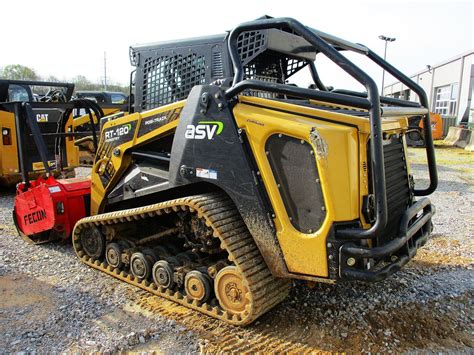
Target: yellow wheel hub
x=231, y=291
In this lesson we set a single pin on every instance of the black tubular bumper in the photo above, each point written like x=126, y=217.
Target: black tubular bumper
x=415, y=227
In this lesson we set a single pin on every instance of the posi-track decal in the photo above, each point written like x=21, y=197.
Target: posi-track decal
x=151, y=123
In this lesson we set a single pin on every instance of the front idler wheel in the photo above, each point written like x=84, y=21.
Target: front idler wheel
x=93, y=243
x=231, y=292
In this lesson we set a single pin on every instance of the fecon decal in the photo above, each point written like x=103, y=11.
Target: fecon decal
x=34, y=217
x=114, y=134
x=204, y=130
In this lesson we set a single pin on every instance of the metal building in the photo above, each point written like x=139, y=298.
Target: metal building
x=449, y=86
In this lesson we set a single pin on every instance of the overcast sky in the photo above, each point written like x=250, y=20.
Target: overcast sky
x=65, y=39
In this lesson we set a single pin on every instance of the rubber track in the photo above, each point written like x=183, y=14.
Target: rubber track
x=220, y=214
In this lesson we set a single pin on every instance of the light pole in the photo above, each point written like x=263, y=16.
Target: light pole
x=386, y=39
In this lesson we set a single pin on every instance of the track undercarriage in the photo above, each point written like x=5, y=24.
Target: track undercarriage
x=195, y=251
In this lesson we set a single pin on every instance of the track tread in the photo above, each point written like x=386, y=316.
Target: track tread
x=220, y=214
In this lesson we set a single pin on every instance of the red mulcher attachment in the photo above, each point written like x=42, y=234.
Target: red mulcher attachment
x=47, y=210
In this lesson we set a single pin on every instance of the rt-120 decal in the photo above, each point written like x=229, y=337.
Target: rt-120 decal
x=120, y=134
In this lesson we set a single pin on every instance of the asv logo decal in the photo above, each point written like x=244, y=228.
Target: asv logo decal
x=204, y=130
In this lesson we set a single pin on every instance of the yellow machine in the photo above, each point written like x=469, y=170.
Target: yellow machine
x=46, y=117
x=48, y=112
x=227, y=182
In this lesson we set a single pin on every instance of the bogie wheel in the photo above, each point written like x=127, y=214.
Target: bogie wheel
x=163, y=274
x=231, y=292
x=93, y=243
x=198, y=286
x=113, y=255
x=140, y=266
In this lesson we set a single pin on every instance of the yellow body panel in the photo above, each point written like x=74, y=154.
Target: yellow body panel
x=340, y=159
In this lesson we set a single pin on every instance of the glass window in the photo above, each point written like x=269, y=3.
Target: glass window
x=17, y=93
x=118, y=99
x=446, y=99
x=454, y=91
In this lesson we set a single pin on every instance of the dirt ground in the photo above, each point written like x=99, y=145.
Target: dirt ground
x=426, y=307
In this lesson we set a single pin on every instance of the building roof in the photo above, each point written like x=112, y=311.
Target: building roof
x=437, y=65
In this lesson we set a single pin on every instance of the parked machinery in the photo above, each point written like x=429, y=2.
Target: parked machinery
x=227, y=182
x=56, y=113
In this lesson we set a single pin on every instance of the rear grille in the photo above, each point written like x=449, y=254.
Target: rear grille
x=168, y=79
x=217, y=68
x=397, y=186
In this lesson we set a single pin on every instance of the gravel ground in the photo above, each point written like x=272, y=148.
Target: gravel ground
x=51, y=302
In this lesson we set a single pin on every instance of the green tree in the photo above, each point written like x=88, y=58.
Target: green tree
x=81, y=82
x=18, y=72
x=53, y=79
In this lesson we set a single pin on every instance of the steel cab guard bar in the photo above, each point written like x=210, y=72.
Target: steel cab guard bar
x=330, y=46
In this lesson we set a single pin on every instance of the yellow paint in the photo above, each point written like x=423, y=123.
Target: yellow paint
x=121, y=162
x=306, y=253
x=337, y=106
x=343, y=179
x=8, y=153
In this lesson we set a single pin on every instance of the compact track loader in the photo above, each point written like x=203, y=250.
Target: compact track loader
x=227, y=182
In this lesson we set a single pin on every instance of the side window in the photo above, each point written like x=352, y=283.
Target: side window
x=17, y=93
x=445, y=99
x=118, y=99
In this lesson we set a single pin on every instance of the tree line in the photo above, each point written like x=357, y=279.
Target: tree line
x=21, y=72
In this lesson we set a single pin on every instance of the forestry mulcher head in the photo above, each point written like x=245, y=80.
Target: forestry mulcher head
x=228, y=182
x=48, y=209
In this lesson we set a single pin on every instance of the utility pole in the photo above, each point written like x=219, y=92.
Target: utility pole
x=386, y=39
x=105, y=71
